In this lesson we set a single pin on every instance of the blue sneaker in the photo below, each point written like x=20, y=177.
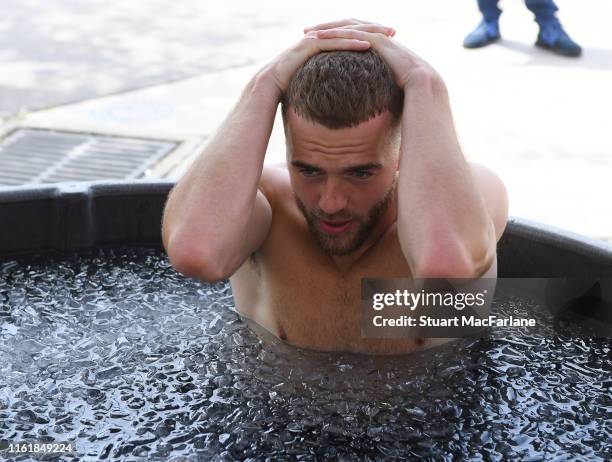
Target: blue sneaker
x=485, y=34
x=552, y=37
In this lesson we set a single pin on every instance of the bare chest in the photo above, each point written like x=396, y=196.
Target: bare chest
x=296, y=293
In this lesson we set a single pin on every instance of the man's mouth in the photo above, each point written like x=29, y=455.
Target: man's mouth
x=335, y=227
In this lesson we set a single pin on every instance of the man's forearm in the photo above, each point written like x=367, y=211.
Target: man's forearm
x=443, y=224
x=211, y=205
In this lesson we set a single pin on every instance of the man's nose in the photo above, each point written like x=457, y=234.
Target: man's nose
x=333, y=198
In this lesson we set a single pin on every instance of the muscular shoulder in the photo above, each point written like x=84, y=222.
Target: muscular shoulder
x=494, y=194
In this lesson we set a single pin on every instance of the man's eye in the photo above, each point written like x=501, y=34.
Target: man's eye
x=361, y=174
x=309, y=172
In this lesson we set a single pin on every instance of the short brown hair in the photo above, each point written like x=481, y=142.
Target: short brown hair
x=341, y=89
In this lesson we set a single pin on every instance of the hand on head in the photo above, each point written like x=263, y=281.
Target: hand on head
x=284, y=66
x=348, y=35
x=402, y=62
x=351, y=23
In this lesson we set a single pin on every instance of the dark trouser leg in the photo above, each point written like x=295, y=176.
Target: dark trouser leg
x=551, y=35
x=488, y=30
x=489, y=9
x=544, y=11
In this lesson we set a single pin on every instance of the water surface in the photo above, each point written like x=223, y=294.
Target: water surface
x=123, y=355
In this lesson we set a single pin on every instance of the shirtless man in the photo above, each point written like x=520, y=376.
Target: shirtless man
x=375, y=185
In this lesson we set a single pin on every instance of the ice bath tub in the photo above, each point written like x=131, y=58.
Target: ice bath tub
x=103, y=344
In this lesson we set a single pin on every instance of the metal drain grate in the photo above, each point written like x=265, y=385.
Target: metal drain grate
x=42, y=156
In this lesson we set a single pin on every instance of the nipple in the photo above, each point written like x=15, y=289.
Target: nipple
x=281, y=334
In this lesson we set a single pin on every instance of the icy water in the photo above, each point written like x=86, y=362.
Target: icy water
x=121, y=354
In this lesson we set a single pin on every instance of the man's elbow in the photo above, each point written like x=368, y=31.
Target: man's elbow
x=460, y=260
x=444, y=270
x=445, y=266
x=197, y=263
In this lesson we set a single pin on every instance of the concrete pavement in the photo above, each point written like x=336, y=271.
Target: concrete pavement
x=155, y=69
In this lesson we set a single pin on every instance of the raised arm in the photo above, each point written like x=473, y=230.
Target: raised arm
x=443, y=220
x=444, y=227
x=216, y=216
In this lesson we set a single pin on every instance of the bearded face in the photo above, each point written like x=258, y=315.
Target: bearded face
x=345, y=231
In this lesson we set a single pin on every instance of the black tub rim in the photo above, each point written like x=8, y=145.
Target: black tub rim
x=77, y=216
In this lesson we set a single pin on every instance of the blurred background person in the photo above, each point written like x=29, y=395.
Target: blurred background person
x=551, y=36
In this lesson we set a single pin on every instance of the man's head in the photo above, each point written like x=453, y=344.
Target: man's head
x=342, y=117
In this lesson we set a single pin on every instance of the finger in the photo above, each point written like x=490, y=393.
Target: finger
x=343, y=44
x=333, y=24
x=375, y=28
x=346, y=34
x=338, y=44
